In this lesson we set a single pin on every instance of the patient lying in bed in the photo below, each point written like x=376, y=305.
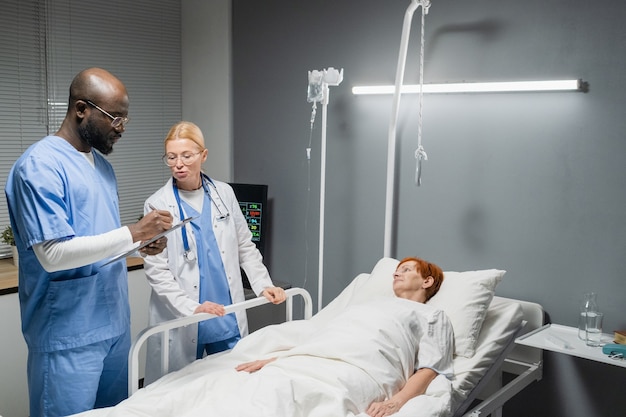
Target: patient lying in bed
x=371, y=358
x=416, y=343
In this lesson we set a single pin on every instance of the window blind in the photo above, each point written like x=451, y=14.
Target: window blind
x=139, y=42
x=45, y=43
x=22, y=87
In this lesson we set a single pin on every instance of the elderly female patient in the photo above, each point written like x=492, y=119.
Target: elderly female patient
x=415, y=282
x=377, y=356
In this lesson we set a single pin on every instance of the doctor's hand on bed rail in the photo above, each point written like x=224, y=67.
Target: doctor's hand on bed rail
x=275, y=295
x=211, y=308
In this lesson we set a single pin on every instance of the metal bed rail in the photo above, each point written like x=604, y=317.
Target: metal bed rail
x=165, y=327
x=493, y=404
x=526, y=363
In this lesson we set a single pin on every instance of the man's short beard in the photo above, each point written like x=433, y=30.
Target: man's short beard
x=94, y=138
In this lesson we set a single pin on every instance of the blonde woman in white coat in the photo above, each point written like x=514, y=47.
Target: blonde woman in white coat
x=199, y=271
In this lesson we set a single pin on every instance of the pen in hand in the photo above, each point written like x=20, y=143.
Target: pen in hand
x=154, y=209
x=158, y=213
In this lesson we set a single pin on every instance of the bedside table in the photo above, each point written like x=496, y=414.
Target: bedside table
x=564, y=339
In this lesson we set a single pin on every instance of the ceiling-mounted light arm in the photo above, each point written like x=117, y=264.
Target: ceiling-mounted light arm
x=479, y=87
x=391, y=141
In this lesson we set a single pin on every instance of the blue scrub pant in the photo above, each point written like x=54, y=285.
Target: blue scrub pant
x=75, y=380
x=214, y=347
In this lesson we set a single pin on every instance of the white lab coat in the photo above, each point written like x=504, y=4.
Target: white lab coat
x=175, y=281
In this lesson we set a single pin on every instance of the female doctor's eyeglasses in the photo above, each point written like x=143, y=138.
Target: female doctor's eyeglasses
x=170, y=159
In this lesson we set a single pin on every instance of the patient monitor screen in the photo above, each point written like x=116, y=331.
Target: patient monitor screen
x=253, y=203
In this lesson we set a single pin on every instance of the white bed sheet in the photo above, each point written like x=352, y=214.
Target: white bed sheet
x=213, y=384
x=314, y=379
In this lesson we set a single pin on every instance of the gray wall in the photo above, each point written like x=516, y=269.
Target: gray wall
x=206, y=83
x=531, y=183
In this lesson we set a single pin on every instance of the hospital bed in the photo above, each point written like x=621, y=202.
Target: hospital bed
x=485, y=328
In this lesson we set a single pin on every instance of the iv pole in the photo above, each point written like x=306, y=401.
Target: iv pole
x=318, y=91
x=388, y=250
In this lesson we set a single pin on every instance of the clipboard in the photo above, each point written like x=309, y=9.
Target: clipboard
x=149, y=241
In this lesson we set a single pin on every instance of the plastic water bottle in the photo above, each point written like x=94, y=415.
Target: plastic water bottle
x=589, y=305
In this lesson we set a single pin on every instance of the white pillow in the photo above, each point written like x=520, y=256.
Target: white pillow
x=379, y=283
x=465, y=297
x=363, y=288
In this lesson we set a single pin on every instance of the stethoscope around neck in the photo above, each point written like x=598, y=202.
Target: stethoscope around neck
x=188, y=254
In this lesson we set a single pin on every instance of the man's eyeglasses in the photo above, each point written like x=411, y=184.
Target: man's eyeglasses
x=170, y=159
x=116, y=121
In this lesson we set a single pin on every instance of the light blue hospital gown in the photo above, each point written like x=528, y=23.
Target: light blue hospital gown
x=72, y=320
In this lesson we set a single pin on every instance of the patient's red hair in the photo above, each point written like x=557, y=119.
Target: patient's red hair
x=427, y=269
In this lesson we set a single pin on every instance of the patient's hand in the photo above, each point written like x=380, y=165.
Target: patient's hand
x=383, y=408
x=275, y=295
x=254, y=365
x=211, y=308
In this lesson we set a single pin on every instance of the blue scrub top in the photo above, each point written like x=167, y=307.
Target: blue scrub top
x=53, y=192
x=213, y=281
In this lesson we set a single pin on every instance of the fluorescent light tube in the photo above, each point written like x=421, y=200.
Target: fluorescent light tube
x=488, y=87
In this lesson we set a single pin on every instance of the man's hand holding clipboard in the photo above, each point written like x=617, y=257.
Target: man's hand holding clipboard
x=150, y=230
x=152, y=246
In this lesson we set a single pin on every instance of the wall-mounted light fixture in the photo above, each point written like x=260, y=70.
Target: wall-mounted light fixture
x=487, y=87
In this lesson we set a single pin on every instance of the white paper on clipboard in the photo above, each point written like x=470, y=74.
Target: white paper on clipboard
x=149, y=241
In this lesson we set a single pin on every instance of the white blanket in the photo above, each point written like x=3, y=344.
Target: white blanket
x=324, y=368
